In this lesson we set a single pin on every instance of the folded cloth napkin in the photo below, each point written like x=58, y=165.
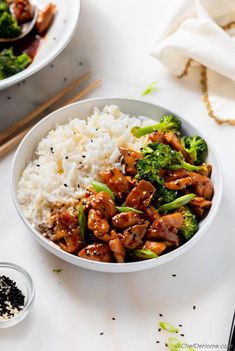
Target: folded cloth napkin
x=203, y=32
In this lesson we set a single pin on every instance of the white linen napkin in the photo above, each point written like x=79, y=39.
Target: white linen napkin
x=203, y=32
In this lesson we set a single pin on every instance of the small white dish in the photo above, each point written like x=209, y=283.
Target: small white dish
x=24, y=283
x=81, y=110
x=58, y=36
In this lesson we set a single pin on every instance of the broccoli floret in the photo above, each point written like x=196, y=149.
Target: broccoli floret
x=196, y=147
x=178, y=161
x=165, y=157
x=164, y=196
x=167, y=123
x=148, y=169
x=11, y=64
x=9, y=27
x=180, y=201
x=190, y=223
x=3, y=6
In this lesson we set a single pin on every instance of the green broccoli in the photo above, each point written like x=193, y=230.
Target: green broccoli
x=3, y=6
x=9, y=27
x=11, y=64
x=180, y=201
x=164, y=196
x=167, y=123
x=190, y=223
x=177, y=161
x=148, y=169
x=196, y=147
x=165, y=157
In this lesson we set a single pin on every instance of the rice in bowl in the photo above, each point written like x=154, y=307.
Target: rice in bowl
x=70, y=157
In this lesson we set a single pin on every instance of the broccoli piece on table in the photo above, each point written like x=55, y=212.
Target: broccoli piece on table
x=167, y=123
x=196, y=147
x=9, y=27
x=11, y=64
x=190, y=223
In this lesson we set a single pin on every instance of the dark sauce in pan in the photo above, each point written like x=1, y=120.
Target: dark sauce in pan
x=29, y=45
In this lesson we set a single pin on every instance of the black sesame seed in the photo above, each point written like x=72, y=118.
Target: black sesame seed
x=66, y=157
x=159, y=329
x=38, y=165
x=157, y=342
x=91, y=141
x=8, y=98
x=113, y=318
x=194, y=307
x=173, y=275
x=78, y=186
x=160, y=315
x=65, y=79
x=166, y=344
x=66, y=185
x=96, y=129
x=83, y=156
x=180, y=325
x=11, y=298
x=101, y=333
x=181, y=334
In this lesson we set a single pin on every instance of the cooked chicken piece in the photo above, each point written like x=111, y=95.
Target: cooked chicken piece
x=96, y=252
x=157, y=247
x=157, y=137
x=116, y=246
x=66, y=220
x=23, y=10
x=200, y=206
x=141, y=195
x=179, y=184
x=125, y=219
x=116, y=181
x=98, y=225
x=175, y=143
x=202, y=185
x=166, y=228
x=200, y=202
x=151, y=213
x=130, y=158
x=104, y=203
x=72, y=242
x=45, y=18
x=60, y=234
x=133, y=236
x=177, y=174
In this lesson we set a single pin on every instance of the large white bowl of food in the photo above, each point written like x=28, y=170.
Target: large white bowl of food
x=116, y=185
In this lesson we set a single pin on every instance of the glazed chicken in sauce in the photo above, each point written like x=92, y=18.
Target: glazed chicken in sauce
x=140, y=210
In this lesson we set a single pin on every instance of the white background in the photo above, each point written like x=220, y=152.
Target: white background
x=72, y=308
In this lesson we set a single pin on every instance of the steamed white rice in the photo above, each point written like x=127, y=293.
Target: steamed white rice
x=71, y=156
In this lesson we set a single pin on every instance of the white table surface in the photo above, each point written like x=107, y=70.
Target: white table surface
x=72, y=308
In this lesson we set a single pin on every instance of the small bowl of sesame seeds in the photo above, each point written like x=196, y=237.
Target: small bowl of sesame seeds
x=16, y=294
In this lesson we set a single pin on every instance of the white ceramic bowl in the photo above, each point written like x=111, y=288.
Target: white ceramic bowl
x=81, y=110
x=57, y=38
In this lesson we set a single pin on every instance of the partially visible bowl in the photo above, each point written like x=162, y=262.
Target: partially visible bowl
x=58, y=36
x=25, y=284
x=81, y=110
